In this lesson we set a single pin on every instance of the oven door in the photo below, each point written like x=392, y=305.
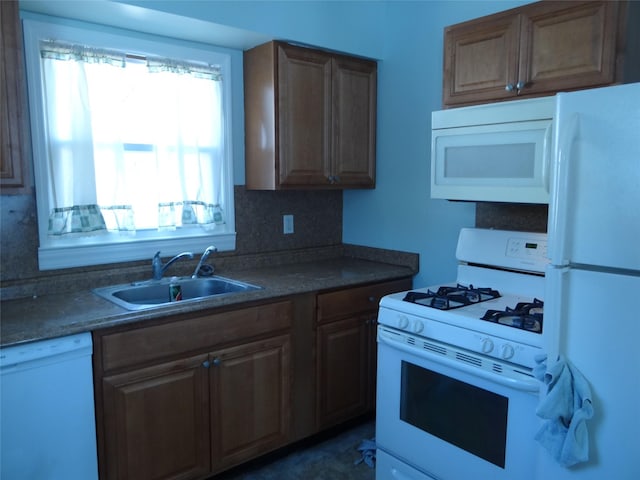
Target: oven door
x=441, y=414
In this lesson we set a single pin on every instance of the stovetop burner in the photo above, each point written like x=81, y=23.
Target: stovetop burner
x=448, y=298
x=526, y=316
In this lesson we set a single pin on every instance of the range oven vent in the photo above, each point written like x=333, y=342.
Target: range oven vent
x=434, y=348
x=463, y=357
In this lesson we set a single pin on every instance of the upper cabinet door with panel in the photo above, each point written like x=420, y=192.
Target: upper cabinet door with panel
x=304, y=115
x=14, y=142
x=537, y=49
x=309, y=119
x=354, y=121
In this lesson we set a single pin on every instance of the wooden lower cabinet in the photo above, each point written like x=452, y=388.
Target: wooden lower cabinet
x=250, y=401
x=158, y=421
x=345, y=365
x=169, y=408
x=187, y=397
x=346, y=351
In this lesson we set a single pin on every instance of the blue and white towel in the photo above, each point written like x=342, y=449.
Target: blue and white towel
x=566, y=408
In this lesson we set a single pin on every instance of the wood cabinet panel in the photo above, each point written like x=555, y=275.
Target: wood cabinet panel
x=537, y=49
x=343, y=364
x=347, y=350
x=304, y=113
x=193, y=396
x=568, y=47
x=479, y=60
x=158, y=422
x=354, y=122
x=14, y=143
x=150, y=343
x=310, y=118
x=350, y=301
x=250, y=392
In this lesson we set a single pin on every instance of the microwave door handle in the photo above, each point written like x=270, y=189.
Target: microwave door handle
x=559, y=208
x=547, y=148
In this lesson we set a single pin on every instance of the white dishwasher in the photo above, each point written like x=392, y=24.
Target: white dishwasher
x=47, y=419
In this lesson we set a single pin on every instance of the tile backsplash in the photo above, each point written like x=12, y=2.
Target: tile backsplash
x=317, y=222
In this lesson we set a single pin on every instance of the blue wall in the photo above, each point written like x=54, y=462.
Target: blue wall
x=406, y=38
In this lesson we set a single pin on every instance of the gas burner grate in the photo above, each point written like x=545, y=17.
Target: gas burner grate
x=449, y=298
x=525, y=316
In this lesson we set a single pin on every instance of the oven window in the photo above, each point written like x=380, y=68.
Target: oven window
x=464, y=415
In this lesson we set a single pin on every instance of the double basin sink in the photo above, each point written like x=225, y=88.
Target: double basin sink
x=157, y=293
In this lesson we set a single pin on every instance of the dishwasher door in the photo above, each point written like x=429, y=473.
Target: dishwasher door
x=47, y=419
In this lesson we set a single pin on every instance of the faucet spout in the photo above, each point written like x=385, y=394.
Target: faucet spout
x=209, y=250
x=159, y=268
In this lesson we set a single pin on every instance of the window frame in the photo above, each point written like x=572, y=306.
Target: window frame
x=77, y=252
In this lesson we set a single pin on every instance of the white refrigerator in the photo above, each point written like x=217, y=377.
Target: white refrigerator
x=592, y=298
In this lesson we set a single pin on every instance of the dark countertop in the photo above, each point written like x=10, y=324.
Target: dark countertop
x=49, y=316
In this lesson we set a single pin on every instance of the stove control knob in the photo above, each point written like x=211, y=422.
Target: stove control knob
x=507, y=351
x=487, y=345
x=403, y=322
x=418, y=326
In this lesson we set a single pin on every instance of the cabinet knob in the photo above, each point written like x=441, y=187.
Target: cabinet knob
x=372, y=299
x=520, y=85
x=217, y=361
x=206, y=364
x=509, y=87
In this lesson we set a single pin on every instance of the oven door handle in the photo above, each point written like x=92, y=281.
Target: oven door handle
x=525, y=385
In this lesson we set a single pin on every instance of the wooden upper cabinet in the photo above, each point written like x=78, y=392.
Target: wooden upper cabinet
x=14, y=149
x=538, y=49
x=310, y=118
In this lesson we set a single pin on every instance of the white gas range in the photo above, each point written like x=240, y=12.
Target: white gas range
x=456, y=394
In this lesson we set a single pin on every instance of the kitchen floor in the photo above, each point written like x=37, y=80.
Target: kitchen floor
x=332, y=458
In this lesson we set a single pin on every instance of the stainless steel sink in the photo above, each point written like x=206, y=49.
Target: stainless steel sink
x=150, y=294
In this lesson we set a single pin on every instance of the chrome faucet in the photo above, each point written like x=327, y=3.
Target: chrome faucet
x=159, y=268
x=209, y=250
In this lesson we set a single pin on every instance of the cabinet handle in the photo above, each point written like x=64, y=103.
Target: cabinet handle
x=206, y=364
x=509, y=87
x=217, y=361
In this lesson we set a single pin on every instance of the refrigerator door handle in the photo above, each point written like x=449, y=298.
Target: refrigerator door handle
x=559, y=202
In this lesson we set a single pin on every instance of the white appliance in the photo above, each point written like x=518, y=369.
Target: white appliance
x=497, y=152
x=47, y=422
x=594, y=275
x=456, y=394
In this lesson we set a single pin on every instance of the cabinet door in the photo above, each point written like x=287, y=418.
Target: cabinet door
x=568, y=45
x=343, y=370
x=354, y=122
x=480, y=59
x=250, y=400
x=13, y=122
x=156, y=422
x=304, y=116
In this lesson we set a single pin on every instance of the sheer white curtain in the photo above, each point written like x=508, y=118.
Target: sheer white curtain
x=71, y=172
x=131, y=146
x=188, y=143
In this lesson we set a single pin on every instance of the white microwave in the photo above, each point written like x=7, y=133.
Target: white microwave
x=497, y=152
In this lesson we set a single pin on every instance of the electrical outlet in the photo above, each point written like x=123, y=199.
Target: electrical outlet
x=287, y=224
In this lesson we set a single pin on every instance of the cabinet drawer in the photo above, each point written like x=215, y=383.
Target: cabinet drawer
x=347, y=302
x=151, y=343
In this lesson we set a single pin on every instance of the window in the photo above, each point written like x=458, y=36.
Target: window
x=131, y=146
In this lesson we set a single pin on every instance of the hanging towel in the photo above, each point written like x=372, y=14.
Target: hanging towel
x=566, y=408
